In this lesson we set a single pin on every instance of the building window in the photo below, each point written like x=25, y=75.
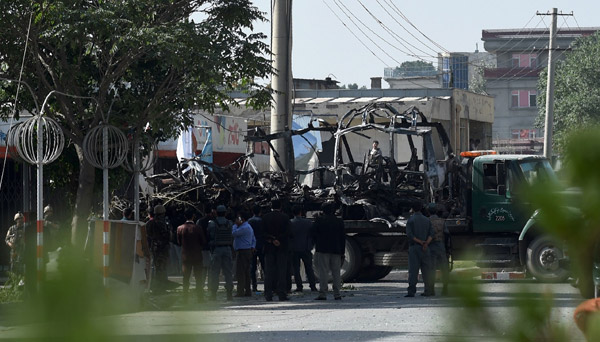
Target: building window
x=524, y=60
x=532, y=98
x=523, y=98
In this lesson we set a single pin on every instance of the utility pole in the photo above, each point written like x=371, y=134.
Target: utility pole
x=549, y=122
x=281, y=111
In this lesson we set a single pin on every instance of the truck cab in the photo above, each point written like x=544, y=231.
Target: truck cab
x=501, y=224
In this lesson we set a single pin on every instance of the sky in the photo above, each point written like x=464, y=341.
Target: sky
x=324, y=47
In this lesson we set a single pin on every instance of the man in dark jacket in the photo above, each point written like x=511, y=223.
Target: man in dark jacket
x=158, y=236
x=302, y=245
x=330, y=242
x=277, y=232
x=209, y=214
x=191, y=239
x=420, y=233
x=259, y=253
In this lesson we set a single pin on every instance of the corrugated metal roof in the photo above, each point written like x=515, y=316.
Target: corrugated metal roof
x=387, y=99
x=411, y=98
x=364, y=99
x=342, y=99
x=320, y=100
x=301, y=100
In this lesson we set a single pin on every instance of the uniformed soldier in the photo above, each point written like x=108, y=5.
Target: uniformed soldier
x=15, y=239
x=158, y=236
x=439, y=258
x=51, y=233
x=420, y=233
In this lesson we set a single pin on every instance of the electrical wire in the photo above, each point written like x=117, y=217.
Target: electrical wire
x=369, y=38
x=395, y=35
x=362, y=42
x=354, y=34
x=413, y=25
x=530, y=50
x=403, y=27
x=16, y=96
x=579, y=27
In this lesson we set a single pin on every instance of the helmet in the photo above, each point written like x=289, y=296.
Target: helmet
x=159, y=209
x=47, y=209
x=221, y=209
x=18, y=216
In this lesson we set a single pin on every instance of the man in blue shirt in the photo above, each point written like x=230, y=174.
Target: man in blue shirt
x=244, y=244
x=420, y=233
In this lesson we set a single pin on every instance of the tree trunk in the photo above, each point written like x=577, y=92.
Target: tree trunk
x=83, y=201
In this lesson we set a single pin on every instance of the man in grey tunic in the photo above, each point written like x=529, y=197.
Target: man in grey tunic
x=439, y=258
x=420, y=233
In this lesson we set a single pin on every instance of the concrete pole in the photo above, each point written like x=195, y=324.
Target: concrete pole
x=548, y=127
x=281, y=111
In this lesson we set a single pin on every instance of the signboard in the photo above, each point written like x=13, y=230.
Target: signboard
x=227, y=134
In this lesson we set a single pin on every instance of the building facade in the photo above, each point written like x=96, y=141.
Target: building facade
x=521, y=55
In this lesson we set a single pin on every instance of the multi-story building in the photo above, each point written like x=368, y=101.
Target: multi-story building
x=520, y=56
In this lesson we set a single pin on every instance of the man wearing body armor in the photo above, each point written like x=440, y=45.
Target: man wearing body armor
x=220, y=240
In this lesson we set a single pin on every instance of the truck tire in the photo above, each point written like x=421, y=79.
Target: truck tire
x=543, y=254
x=352, y=260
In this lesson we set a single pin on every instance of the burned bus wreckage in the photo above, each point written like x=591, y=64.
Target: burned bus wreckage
x=374, y=199
x=478, y=191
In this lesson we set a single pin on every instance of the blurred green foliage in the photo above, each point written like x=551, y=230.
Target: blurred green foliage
x=530, y=318
x=11, y=292
x=571, y=216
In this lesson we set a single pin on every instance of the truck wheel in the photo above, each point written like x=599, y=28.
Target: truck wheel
x=352, y=260
x=543, y=254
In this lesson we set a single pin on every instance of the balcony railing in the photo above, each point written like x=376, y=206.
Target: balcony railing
x=511, y=72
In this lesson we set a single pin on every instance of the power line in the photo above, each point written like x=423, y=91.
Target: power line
x=10, y=124
x=530, y=50
x=354, y=34
x=413, y=25
x=392, y=33
x=346, y=11
x=360, y=40
x=579, y=27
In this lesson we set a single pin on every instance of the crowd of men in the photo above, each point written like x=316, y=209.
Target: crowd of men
x=210, y=244
x=223, y=242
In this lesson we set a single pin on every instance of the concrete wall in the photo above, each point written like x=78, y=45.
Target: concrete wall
x=412, y=82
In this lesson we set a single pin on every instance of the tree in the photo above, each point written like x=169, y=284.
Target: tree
x=414, y=68
x=139, y=61
x=576, y=90
x=477, y=83
x=353, y=86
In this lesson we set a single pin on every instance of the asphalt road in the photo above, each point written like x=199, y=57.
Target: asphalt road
x=367, y=312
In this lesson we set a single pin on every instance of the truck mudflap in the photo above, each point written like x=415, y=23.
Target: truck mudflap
x=523, y=243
